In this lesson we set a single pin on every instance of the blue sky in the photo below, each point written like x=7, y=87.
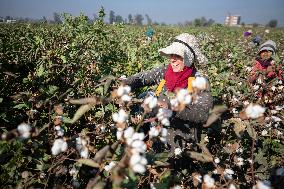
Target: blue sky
x=167, y=11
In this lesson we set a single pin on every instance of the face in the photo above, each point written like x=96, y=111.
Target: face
x=177, y=63
x=265, y=54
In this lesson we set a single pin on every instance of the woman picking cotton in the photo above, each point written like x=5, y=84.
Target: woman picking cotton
x=192, y=100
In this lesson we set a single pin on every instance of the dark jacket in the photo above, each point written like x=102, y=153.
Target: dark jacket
x=186, y=125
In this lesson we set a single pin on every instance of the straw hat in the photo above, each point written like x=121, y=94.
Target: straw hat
x=186, y=46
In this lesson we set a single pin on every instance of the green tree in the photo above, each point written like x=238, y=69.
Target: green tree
x=138, y=19
x=119, y=19
x=56, y=18
x=272, y=23
x=130, y=19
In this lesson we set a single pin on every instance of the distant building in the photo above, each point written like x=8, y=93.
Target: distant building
x=233, y=20
x=11, y=21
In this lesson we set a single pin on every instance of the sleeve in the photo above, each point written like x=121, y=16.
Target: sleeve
x=198, y=112
x=147, y=78
x=253, y=74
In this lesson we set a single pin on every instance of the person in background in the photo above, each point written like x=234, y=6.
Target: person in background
x=264, y=63
x=149, y=33
x=248, y=33
x=185, y=126
x=256, y=40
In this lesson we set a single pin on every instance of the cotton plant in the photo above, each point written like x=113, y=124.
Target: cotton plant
x=59, y=131
x=262, y=185
x=123, y=92
x=200, y=83
x=111, y=165
x=181, y=99
x=120, y=118
x=138, y=148
x=24, y=130
x=158, y=132
x=254, y=111
x=239, y=161
x=228, y=174
x=163, y=115
x=81, y=146
x=149, y=103
x=208, y=182
x=59, y=145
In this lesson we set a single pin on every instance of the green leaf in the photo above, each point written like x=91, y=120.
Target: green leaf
x=40, y=71
x=81, y=111
x=259, y=158
x=52, y=89
x=21, y=106
x=161, y=163
x=63, y=58
x=1, y=100
x=251, y=132
x=201, y=157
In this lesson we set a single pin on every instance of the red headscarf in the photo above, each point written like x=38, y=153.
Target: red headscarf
x=176, y=80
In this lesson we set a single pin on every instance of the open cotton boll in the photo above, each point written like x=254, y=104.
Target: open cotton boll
x=128, y=133
x=120, y=117
x=59, y=146
x=122, y=90
x=254, y=111
x=135, y=158
x=24, y=130
x=164, y=132
x=200, y=83
x=182, y=94
x=119, y=135
x=151, y=101
x=139, y=168
x=137, y=144
x=126, y=98
x=209, y=181
x=110, y=166
x=84, y=153
x=138, y=136
x=165, y=122
x=154, y=132
x=178, y=151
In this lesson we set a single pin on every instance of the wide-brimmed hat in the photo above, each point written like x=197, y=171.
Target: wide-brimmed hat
x=268, y=46
x=187, y=47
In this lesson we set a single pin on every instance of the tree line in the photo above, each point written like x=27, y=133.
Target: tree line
x=136, y=19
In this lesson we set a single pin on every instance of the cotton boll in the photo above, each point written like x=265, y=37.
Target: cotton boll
x=84, y=153
x=126, y=98
x=128, y=133
x=178, y=151
x=154, y=132
x=119, y=135
x=137, y=144
x=24, y=130
x=138, y=136
x=209, y=181
x=164, y=132
x=59, y=145
x=153, y=103
x=135, y=158
x=254, y=111
x=165, y=122
x=138, y=168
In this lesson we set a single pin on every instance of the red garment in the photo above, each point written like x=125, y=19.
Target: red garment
x=258, y=67
x=175, y=80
